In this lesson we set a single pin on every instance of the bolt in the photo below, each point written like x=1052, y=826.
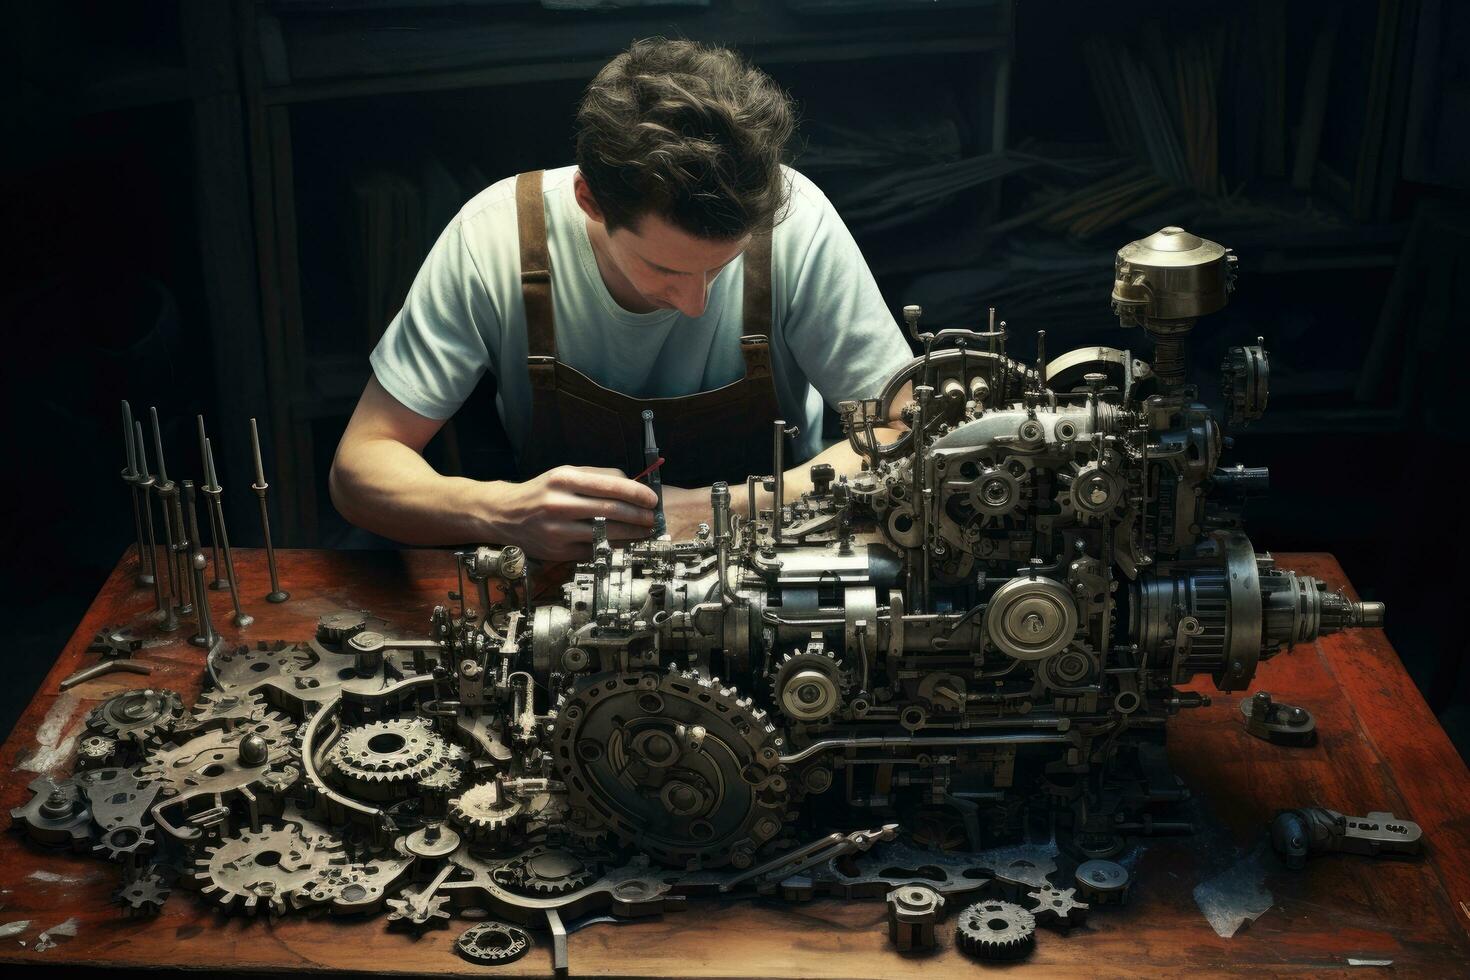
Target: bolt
x=254, y=750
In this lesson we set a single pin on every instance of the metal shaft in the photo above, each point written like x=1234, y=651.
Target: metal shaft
x=145, y=483
x=206, y=637
x=173, y=524
x=655, y=480
x=214, y=492
x=778, y=478
x=260, y=487
x=219, y=581
x=130, y=476
x=181, y=548
x=165, y=491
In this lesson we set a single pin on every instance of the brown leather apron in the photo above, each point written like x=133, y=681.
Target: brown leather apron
x=723, y=434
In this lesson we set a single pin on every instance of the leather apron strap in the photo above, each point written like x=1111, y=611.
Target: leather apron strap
x=575, y=420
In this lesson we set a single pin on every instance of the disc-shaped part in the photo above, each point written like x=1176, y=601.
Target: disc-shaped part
x=1031, y=618
x=493, y=942
x=675, y=764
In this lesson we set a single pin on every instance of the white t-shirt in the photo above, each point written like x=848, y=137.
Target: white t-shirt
x=832, y=336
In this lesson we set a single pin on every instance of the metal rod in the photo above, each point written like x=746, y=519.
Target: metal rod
x=166, y=491
x=173, y=524
x=277, y=594
x=214, y=492
x=655, y=481
x=146, y=483
x=106, y=667
x=778, y=478
x=207, y=637
x=219, y=577
x=130, y=476
x=719, y=505
x=181, y=549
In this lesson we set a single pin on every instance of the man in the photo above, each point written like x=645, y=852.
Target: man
x=647, y=276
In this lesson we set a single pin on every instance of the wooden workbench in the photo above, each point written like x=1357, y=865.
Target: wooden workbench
x=1380, y=749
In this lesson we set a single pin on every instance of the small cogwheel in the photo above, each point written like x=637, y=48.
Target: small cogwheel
x=484, y=812
x=996, y=931
x=340, y=626
x=145, y=894
x=1058, y=906
x=808, y=686
x=143, y=717
x=96, y=752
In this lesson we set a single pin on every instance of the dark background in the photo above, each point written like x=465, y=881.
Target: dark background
x=216, y=207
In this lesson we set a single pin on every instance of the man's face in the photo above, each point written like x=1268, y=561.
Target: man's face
x=669, y=267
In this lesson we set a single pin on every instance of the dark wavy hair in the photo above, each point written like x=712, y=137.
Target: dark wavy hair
x=692, y=133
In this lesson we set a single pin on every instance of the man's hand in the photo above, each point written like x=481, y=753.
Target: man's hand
x=551, y=515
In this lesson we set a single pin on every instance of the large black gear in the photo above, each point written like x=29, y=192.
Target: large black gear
x=996, y=931
x=677, y=765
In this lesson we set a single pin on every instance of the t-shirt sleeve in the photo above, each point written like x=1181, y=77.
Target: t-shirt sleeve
x=433, y=353
x=837, y=326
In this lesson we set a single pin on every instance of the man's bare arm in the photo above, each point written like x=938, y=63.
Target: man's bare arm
x=684, y=509
x=380, y=481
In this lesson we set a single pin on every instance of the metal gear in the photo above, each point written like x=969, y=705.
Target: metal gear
x=224, y=709
x=124, y=843
x=115, y=644
x=996, y=931
x=95, y=752
x=264, y=870
x=808, y=685
x=145, y=894
x=545, y=872
x=1058, y=906
x=384, y=759
x=491, y=943
x=677, y=765
x=221, y=762
x=484, y=812
x=340, y=626
x=143, y=716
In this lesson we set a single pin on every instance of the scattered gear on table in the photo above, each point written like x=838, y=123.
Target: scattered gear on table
x=492, y=942
x=145, y=894
x=1103, y=882
x=118, y=644
x=1058, y=906
x=95, y=752
x=262, y=871
x=143, y=717
x=996, y=931
x=340, y=626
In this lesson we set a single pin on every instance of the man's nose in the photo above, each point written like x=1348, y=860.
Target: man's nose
x=694, y=297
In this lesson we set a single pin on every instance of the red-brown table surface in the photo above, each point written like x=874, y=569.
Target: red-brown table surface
x=1380, y=748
